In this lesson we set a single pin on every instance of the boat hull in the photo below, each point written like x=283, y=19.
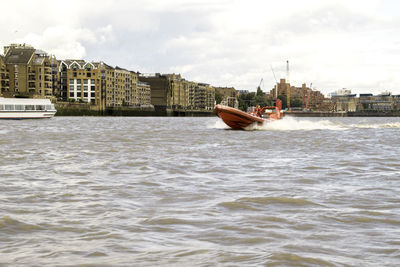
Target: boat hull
x=13, y=115
x=236, y=119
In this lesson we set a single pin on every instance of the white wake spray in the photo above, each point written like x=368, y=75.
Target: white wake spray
x=296, y=124
x=217, y=124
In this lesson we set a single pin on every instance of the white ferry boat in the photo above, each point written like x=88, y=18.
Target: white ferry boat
x=26, y=108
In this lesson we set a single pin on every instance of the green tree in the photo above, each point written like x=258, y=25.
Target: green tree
x=246, y=100
x=296, y=103
x=260, y=92
x=261, y=101
x=253, y=99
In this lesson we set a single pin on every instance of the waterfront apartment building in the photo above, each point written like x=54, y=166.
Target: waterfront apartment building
x=4, y=77
x=97, y=83
x=204, y=97
x=170, y=91
x=143, y=97
x=124, y=91
x=80, y=81
x=109, y=86
x=384, y=102
x=192, y=89
x=121, y=87
x=28, y=72
x=229, y=96
x=31, y=72
x=161, y=90
x=345, y=103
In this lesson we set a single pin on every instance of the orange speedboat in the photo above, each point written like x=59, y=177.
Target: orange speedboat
x=239, y=120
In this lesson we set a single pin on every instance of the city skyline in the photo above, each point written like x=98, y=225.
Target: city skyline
x=334, y=44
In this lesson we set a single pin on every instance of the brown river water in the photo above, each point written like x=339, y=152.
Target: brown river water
x=132, y=191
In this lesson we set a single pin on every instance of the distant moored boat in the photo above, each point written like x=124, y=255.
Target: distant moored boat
x=26, y=108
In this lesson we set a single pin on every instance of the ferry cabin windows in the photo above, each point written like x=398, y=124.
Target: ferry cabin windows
x=19, y=107
x=11, y=107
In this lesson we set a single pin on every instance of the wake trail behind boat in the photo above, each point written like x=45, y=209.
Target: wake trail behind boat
x=378, y=125
x=306, y=124
x=293, y=124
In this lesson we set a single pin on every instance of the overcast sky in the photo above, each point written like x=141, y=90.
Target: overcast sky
x=352, y=44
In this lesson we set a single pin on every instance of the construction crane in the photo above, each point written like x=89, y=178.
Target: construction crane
x=261, y=82
x=288, y=85
x=276, y=82
x=287, y=71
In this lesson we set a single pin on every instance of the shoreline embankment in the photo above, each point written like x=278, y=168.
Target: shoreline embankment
x=84, y=109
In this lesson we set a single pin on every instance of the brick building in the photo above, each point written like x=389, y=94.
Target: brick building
x=4, y=77
x=308, y=98
x=229, y=96
x=31, y=72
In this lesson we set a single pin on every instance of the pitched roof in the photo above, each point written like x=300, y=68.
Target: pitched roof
x=38, y=60
x=19, y=55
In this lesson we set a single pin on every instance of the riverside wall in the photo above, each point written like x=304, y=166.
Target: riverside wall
x=84, y=109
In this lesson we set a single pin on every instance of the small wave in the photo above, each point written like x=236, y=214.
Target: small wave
x=276, y=200
x=10, y=225
x=295, y=124
x=171, y=221
x=247, y=203
x=97, y=254
x=295, y=260
x=192, y=252
x=393, y=125
x=233, y=205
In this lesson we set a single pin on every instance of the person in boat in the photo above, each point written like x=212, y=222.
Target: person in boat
x=258, y=111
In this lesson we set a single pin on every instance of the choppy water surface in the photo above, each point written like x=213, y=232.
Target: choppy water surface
x=189, y=192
